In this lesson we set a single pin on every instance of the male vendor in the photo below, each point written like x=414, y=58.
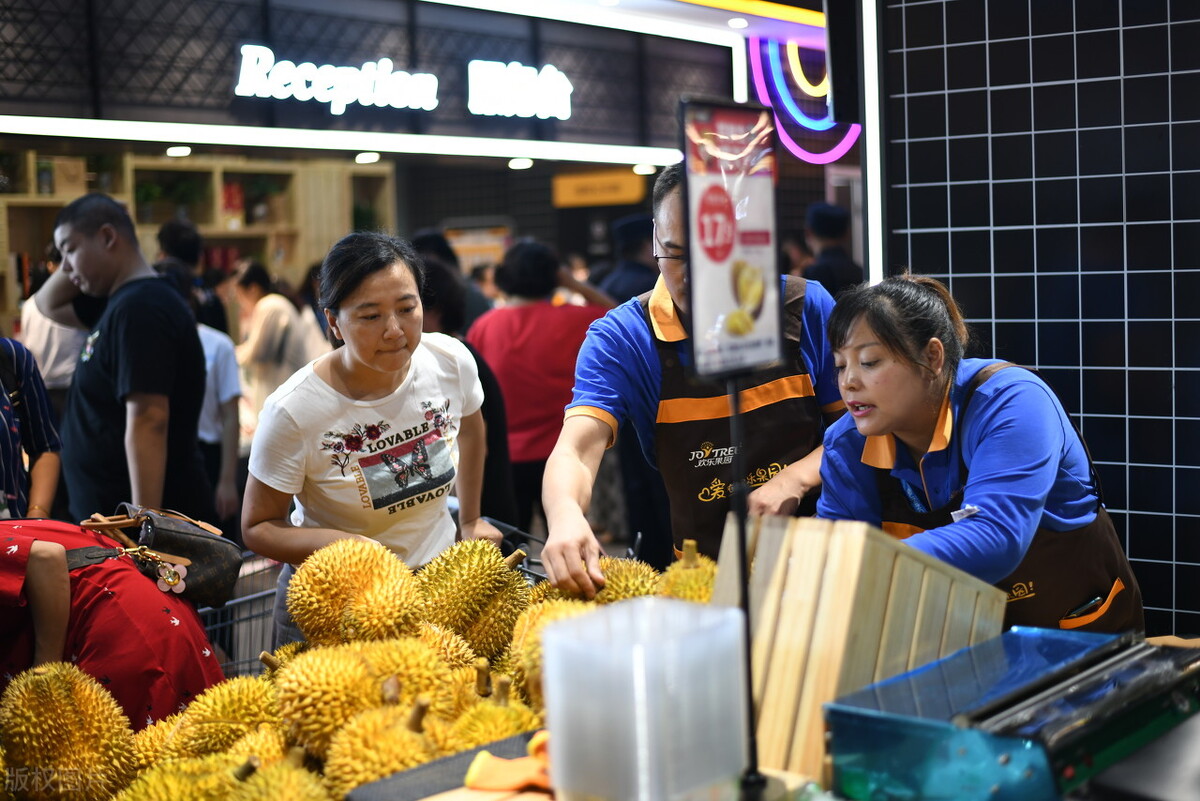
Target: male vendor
x=632, y=370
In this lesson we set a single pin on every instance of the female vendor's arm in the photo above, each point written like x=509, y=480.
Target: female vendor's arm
x=267, y=531
x=48, y=590
x=782, y=494
x=472, y=449
x=1012, y=443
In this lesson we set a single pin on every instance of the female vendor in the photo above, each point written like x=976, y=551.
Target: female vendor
x=369, y=439
x=973, y=461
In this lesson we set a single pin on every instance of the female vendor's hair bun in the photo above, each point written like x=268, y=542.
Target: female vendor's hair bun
x=905, y=312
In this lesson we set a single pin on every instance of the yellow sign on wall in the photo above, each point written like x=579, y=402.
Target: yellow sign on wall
x=620, y=187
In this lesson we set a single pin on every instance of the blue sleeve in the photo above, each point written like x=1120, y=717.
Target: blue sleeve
x=39, y=433
x=818, y=305
x=617, y=370
x=848, y=487
x=1013, y=442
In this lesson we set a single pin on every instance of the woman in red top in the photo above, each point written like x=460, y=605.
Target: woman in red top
x=146, y=647
x=531, y=344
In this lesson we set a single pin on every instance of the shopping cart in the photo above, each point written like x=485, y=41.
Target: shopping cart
x=242, y=629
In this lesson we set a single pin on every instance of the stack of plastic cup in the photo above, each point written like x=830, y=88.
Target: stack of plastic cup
x=645, y=701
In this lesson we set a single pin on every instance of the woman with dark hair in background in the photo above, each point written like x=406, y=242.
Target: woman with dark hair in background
x=531, y=343
x=370, y=439
x=973, y=461
x=444, y=297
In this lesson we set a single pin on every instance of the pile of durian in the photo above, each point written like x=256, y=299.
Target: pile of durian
x=399, y=668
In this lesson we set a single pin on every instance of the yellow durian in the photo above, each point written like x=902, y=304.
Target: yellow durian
x=469, y=686
x=266, y=743
x=285, y=778
x=448, y=644
x=545, y=591
x=691, y=578
x=274, y=660
x=148, y=743
x=625, y=578
x=221, y=715
x=472, y=590
x=377, y=743
x=496, y=719
x=354, y=590
x=420, y=669
x=207, y=778
x=61, y=727
x=320, y=690
x=527, y=642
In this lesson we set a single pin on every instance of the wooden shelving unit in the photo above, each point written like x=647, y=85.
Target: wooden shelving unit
x=290, y=214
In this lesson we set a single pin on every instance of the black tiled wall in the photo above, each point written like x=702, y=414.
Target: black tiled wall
x=1043, y=157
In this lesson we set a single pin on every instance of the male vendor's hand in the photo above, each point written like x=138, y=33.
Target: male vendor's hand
x=571, y=557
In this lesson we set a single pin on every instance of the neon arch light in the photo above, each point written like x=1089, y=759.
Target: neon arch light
x=818, y=90
x=764, y=97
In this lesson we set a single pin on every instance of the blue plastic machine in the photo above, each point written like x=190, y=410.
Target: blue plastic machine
x=1030, y=715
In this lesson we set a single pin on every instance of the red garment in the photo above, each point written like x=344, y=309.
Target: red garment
x=148, y=648
x=532, y=348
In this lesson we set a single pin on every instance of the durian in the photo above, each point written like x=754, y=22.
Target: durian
x=353, y=590
x=206, y=778
x=266, y=743
x=221, y=715
x=527, y=642
x=285, y=778
x=691, y=578
x=448, y=644
x=625, y=578
x=59, y=724
x=545, y=591
x=148, y=743
x=377, y=743
x=469, y=686
x=320, y=690
x=274, y=660
x=496, y=719
x=472, y=590
x=419, y=668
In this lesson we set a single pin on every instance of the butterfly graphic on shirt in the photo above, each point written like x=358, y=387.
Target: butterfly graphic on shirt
x=402, y=471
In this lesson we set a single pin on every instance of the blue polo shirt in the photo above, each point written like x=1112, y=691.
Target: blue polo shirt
x=618, y=375
x=1026, y=469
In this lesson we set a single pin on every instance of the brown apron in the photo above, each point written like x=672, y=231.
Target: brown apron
x=692, y=438
x=1063, y=571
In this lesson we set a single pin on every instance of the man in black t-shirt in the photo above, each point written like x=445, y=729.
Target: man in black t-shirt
x=129, y=432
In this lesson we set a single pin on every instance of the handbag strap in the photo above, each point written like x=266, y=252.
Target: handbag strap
x=133, y=518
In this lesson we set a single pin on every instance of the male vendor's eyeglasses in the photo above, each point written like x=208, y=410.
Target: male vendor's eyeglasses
x=659, y=257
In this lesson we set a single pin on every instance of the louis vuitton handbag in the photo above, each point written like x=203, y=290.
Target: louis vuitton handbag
x=184, y=556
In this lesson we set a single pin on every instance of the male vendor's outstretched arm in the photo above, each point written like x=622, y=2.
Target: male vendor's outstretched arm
x=572, y=553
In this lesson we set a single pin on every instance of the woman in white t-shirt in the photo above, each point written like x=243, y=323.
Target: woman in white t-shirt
x=371, y=439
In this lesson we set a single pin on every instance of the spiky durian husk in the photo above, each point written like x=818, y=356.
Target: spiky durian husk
x=62, y=724
x=507, y=663
x=267, y=743
x=448, y=644
x=320, y=690
x=460, y=581
x=490, y=721
x=282, y=655
x=464, y=692
x=373, y=745
x=545, y=591
x=527, y=643
x=281, y=780
x=689, y=579
x=625, y=578
x=221, y=715
x=491, y=632
x=206, y=778
x=354, y=590
x=148, y=743
x=419, y=669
